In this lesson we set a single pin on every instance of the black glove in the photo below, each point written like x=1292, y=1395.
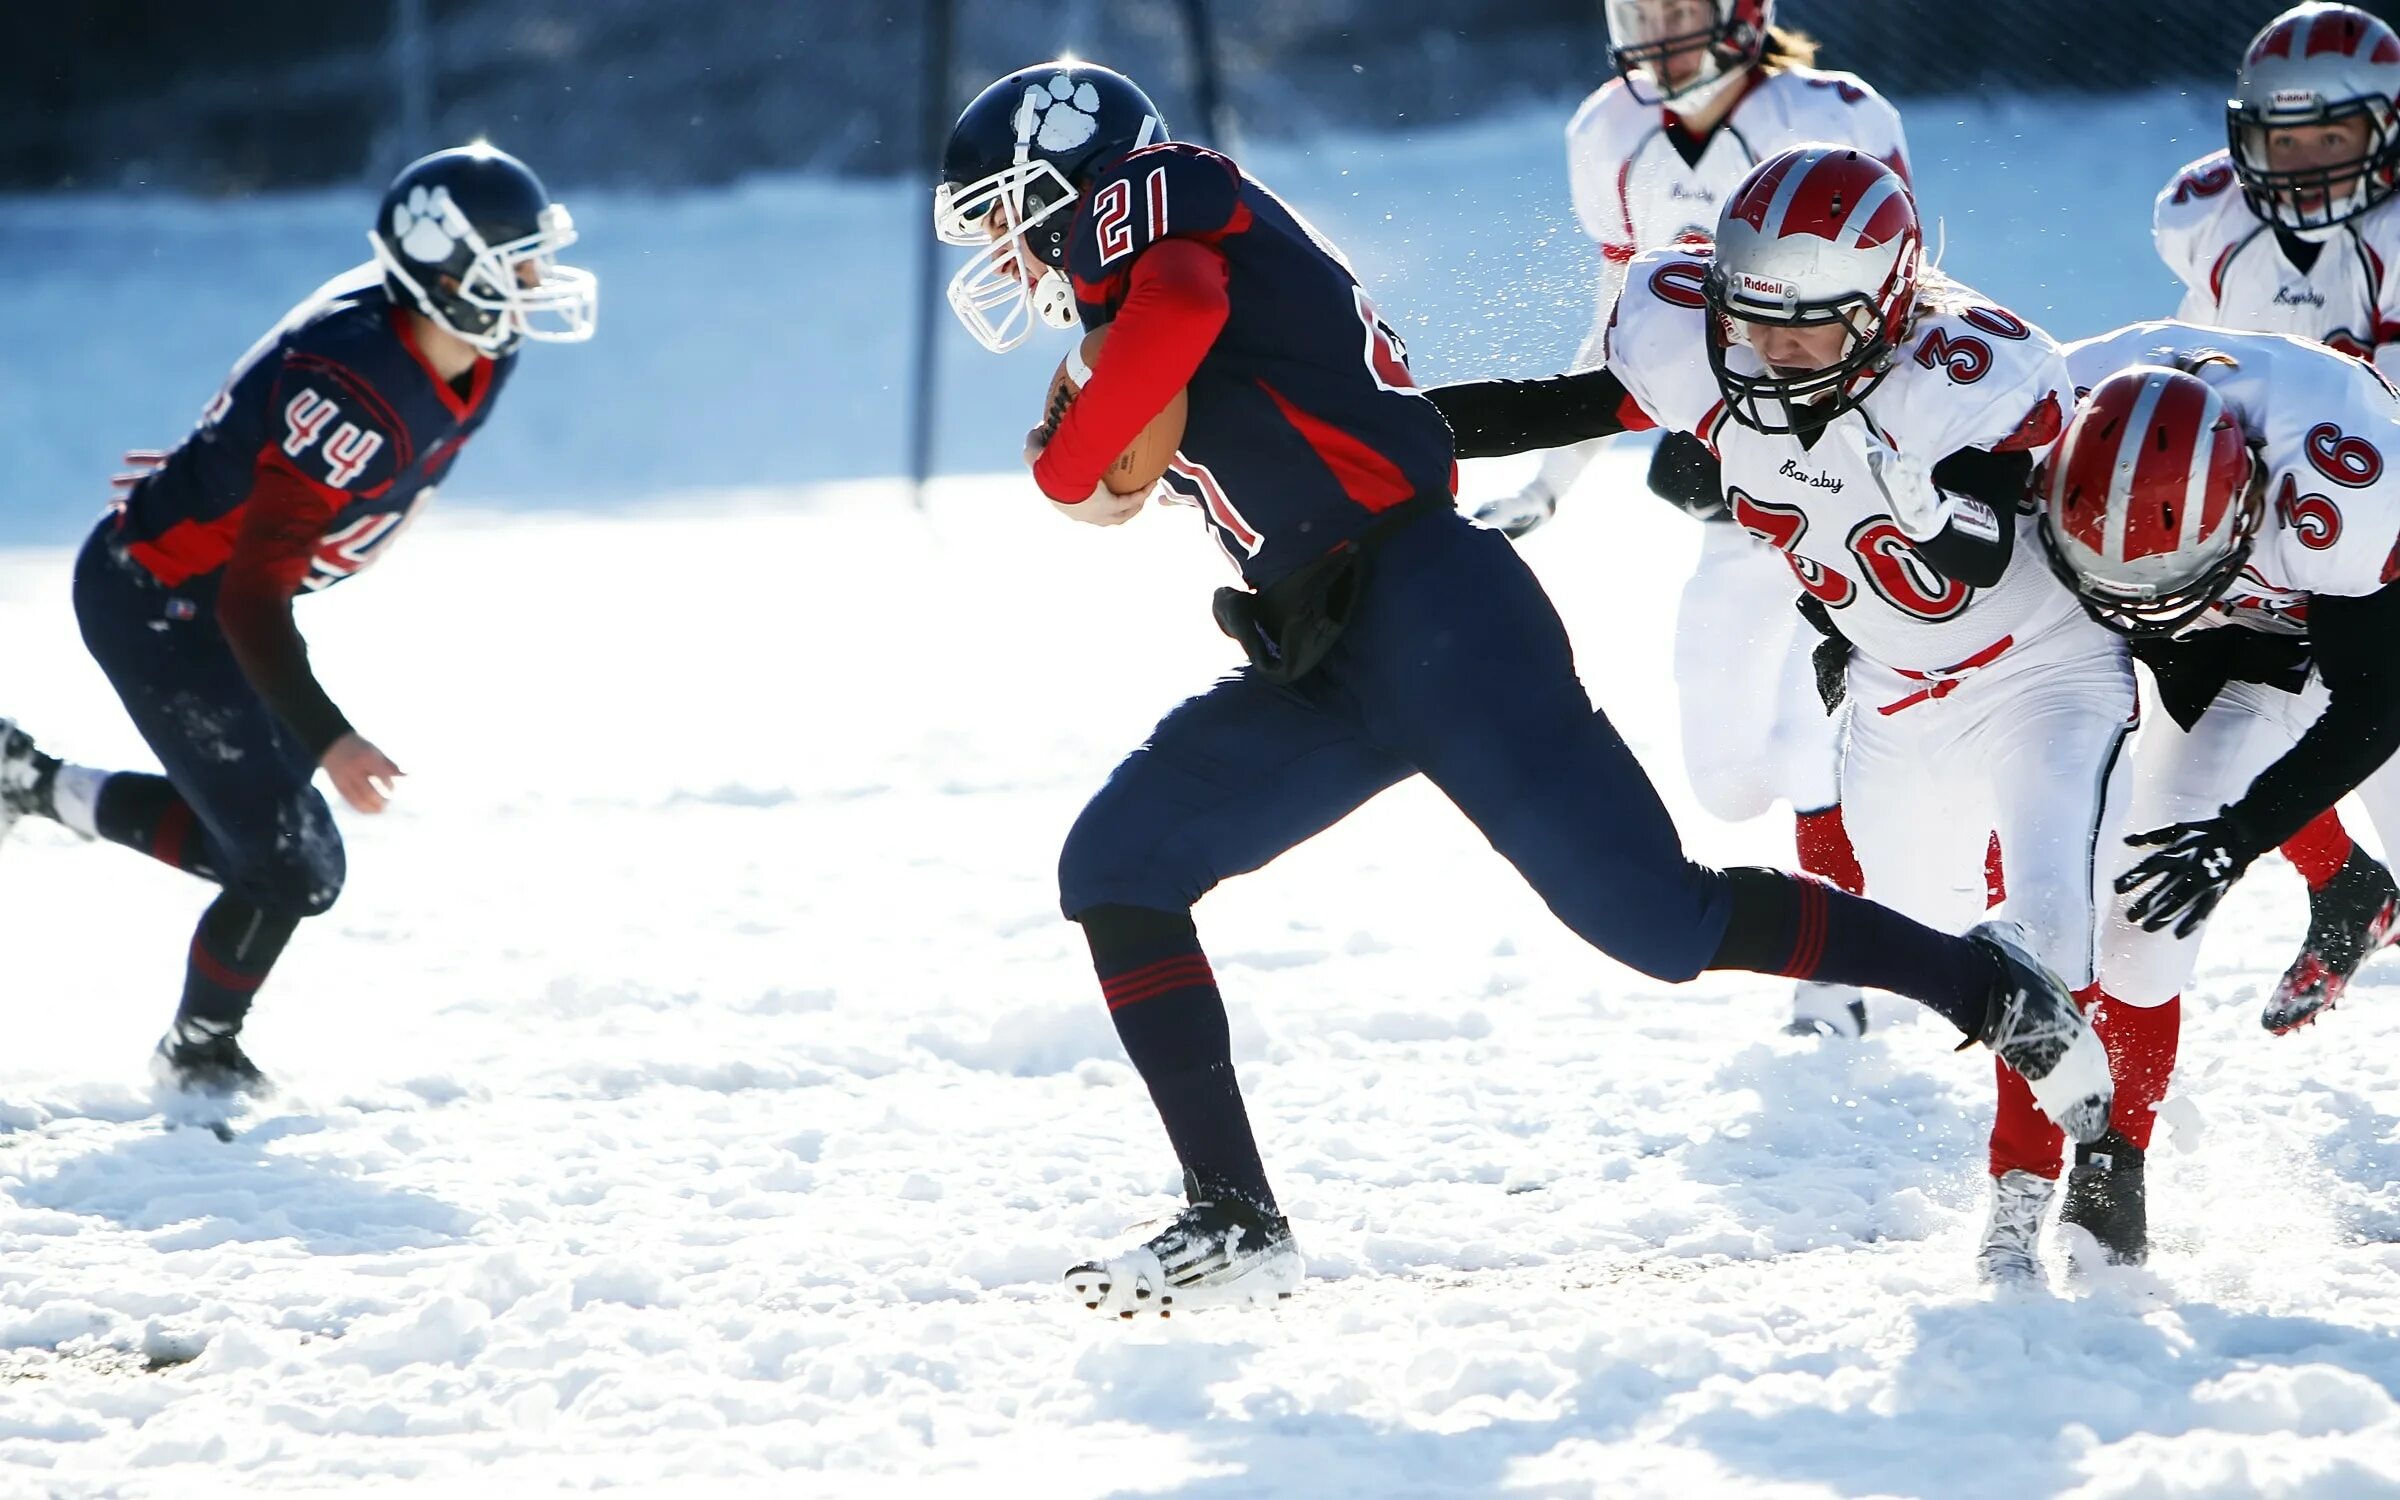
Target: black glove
x=2196, y=864
x=1831, y=658
x=1686, y=475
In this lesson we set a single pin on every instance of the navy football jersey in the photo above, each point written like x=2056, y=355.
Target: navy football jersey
x=338, y=393
x=1304, y=422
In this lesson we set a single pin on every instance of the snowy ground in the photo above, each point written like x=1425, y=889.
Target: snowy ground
x=697, y=1088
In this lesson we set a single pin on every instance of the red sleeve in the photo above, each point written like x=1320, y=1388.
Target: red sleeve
x=1174, y=308
x=282, y=524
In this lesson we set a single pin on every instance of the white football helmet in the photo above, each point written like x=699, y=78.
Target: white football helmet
x=2151, y=500
x=1686, y=52
x=1817, y=235
x=2316, y=64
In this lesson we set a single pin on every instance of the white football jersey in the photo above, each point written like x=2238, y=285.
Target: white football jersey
x=2328, y=429
x=2236, y=275
x=1974, y=376
x=1634, y=191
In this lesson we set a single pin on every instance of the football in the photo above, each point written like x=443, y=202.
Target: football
x=1152, y=449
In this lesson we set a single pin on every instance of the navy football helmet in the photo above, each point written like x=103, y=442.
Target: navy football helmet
x=1018, y=157
x=469, y=238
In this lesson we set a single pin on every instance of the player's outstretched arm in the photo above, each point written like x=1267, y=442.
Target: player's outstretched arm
x=281, y=527
x=2351, y=637
x=2197, y=863
x=1494, y=418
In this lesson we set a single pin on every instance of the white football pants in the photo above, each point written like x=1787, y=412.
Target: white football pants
x=2181, y=778
x=2030, y=747
x=1753, y=726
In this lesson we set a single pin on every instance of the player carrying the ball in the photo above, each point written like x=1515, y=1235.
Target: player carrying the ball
x=1387, y=635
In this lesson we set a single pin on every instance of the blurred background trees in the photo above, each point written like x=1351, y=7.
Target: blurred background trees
x=215, y=97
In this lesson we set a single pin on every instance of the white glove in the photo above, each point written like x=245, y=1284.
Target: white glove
x=1514, y=515
x=1916, y=503
x=1102, y=507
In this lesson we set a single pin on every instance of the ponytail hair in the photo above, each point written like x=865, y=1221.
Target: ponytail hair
x=1787, y=48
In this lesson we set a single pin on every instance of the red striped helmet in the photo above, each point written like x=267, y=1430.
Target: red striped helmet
x=2151, y=500
x=2318, y=64
x=1816, y=235
x=1686, y=52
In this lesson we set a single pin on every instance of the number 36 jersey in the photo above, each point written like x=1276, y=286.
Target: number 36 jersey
x=1968, y=375
x=2326, y=427
x=335, y=400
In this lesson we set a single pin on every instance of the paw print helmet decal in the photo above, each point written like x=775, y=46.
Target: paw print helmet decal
x=1019, y=156
x=469, y=238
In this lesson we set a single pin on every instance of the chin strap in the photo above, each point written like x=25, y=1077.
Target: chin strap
x=1054, y=299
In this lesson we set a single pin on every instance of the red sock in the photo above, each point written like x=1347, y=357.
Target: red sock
x=2141, y=1043
x=2320, y=849
x=2023, y=1139
x=1825, y=849
x=1995, y=883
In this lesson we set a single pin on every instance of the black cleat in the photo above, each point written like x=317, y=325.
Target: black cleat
x=2357, y=912
x=1222, y=1251
x=206, y=1058
x=2104, y=1199
x=26, y=777
x=2034, y=1024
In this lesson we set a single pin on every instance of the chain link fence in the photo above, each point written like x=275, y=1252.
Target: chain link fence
x=224, y=99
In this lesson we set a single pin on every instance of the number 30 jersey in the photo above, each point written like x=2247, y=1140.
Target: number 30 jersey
x=1968, y=375
x=2327, y=428
x=335, y=400
x=1304, y=422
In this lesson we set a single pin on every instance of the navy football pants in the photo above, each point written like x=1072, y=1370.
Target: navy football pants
x=255, y=824
x=1455, y=665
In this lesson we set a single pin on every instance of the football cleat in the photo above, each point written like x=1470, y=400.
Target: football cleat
x=2011, y=1252
x=1222, y=1251
x=2352, y=915
x=205, y=1058
x=2105, y=1201
x=25, y=777
x=1828, y=1010
x=2033, y=1022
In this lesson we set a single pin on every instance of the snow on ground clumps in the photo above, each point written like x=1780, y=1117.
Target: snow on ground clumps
x=697, y=1089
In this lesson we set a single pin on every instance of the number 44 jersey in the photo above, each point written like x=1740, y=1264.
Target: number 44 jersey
x=335, y=403
x=2324, y=425
x=1966, y=374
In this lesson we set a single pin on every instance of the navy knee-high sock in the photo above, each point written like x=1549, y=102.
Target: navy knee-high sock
x=1802, y=927
x=236, y=945
x=1164, y=1000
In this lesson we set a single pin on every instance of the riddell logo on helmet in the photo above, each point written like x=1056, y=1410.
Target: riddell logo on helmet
x=2284, y=99
x=1765, y=288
